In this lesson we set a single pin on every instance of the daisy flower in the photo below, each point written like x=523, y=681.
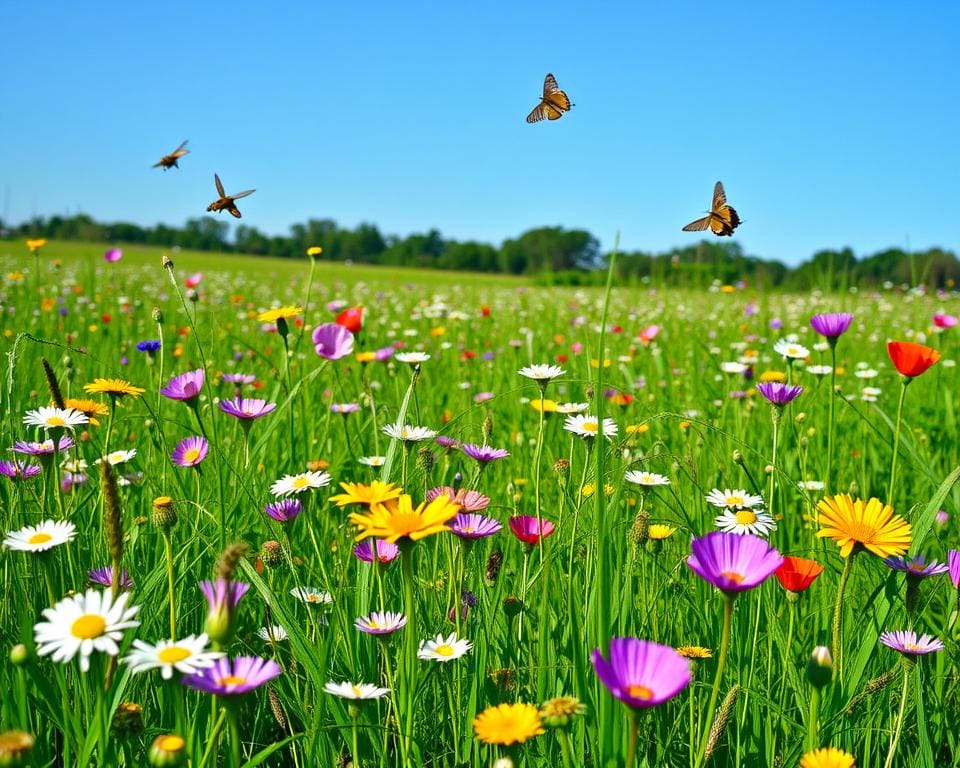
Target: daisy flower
x=50, y=417
x=409, y=433
x=587, y=427
x=44, y=448
x=484, y=453
x=190, y=451
x=374, y=549
x=84, y=623
x=400, y=520
x=791, y=350
x=819, y=370
x=442, y=648
x=289, y=485
x=568, y=408
x=412, y=358
x=507, y=724
x=754, y=521
x=185, y=656
x=347, y=690
x=372, y=461
x=40, y=538
x=541, y=372
x=469, y=525
x=272, y=634
x=907, y=642
x=381, y=623
x=312, y=596
x=118, y=457
x=646, y=479
x=112, y=387
x=733, y=499
x=233, y=677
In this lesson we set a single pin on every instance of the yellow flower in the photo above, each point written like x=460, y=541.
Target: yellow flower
x=590, y=488
x=863, y=524
x=549, y=406
x=828, y=757
x=90, y=408
x=727, y=288
x=638, y=429
x=508, y=724
x=607, y=362
x=773, y=376
x=659, y=532
x=280, y=313
x=438, y=331
x=112, y=387
x=558, y=712
x=366, y=357
x=314, y=250
x=695, y=652
x=15, y=277
x=358, y=493
x=398, y=519
x=36, y=245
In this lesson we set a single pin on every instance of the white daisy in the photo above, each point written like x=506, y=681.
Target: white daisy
x=821, y=346
x=735, y=499
x=289, y=485
x=819, y=370
x=50, y=417
x=572, y=407
x=186, y=656
x=372, y=461
x=40, y=538
x=870, y=394
x=754, y=521
x=411, y=358
x=381, y=622
x=312, y=596
x=442, y=648
x=409, y=433
x=811, y=485
x=74, y=466
x=866, y=373
x=733, y=367
x=84, y=623
x=587, y=426
x=541, y=372
x=791, y=350
x=347, y=690
x=118, y=457
x=272, y=634
x=647, y=479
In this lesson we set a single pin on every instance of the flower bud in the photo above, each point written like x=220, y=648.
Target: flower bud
x=167, y=751
x=15, y=748
x=128, y=720
x=820, y=667
x=157, y=315
x=272, y=554
x=19, y=655
x=164, y=515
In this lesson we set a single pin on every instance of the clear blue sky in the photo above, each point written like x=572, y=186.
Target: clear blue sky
x=830, y=123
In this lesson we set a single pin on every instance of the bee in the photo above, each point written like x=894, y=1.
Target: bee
x=553, y=103
x=721, y=219
x=170, y=161
x=225, y=201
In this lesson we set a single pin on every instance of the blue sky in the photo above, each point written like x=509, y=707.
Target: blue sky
x=829, y=123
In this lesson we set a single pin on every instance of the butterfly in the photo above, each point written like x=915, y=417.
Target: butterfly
x=170, y=161
x=553, y=103
x=225, y=201
x=722, y=218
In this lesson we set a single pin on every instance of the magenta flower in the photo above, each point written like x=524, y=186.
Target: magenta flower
x=238, y=378
x=185, y=387
x=233, y=677
x=733, y=562
x=112, y=255
x=446, y=442
x=640, y=673
x=344, y=408
x=777, y=393
x=246, y=407
x=484, y=453
x=332, y=341
x=953, y=560
x=383, y=354
x=18, y=470
x=222, y=598
x=285, y=510
x=471, y=501
x=104, y=577
x=529, y=530
x=941, y=320
x=381, y=623
x=832, y=324
x=372, y=550
x=907, y=642
x=468, y=525
x=44, y=448
x=915, y=567
x=190, y=451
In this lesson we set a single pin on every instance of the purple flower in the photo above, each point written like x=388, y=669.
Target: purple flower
x=246, y=407
x=778, y=393
x=733, y=562
x=907, y=642
x=185, y=387
x=374, y=549
x=468, y=525
x=381, y=623
x=17, y=470
x=190, y=451
x=446, y=442
x=344, y=408
x=953, y=559
x=482, y=397
x=238, y=378
x=915, y=567
x=776, y=324
x=332, y=341
x=640, y=673
x=529, y=530
x=45, y=448
x=471, y=501
x=467, y=601
x=484, y=453
x=112, y=255
x=832, y=324
x=222, y=598
x=285, y=510
x=104, y=577
x=383, y=354
x=150, y=346
x=233, y=677
x=70, y=480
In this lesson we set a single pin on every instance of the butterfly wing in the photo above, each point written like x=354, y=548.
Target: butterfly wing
x=235, y=211
x=539, y=113
x=219, y=184
x=242, y=194
x=182, y=145
x=719, y=197
x=724, y=221
x=550, y=85
x=559, y=101
x=699, y=225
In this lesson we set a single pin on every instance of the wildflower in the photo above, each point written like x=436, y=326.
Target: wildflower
x=36, y=244
x=741, y=521
x=733, y=499
x=911, y=359
x=367, y=495
x=238, y=378
x=871, y=525
x=246, y=408
x=233, y=677
x=355, y=691
x=274, y=633
x=484, y=453
x=16, y=470
x=279, y=313
x=50, y=417
x=381, y=623
x=89, y=408
x=529, y=530
x=831, y=324
x=412, y=358
x=289, y=485
x=190, y=451
x=375, y=549
x=284, y=511
x=943, y=321
x=222, y=598
x=695, y=652
x=314, y=250
x=15, y=748
x=185, y=656
x=151, y=346
x=646, y=479
x=112, y=387
x=372, y=461
x=907, y=643
x=559, y=711
x=915, y=567
x=953, y=559
x=311, y=596
x=344, y=409
x=332, y=341
x=547, y=406
x=104, y=577
x=733, y=562
x=541, y=372
x=40, y=538
x=791, y=351
x=351, y=319
x=117, y=457
x=819, y=370
x=587, y=426
x=467, y=500
x=167, y=751
x=640, y=673
x=507, y=724
x=568, y=408
x=85, y=623
x=400, y=520
x=442, y=648
x=797, y=574
x=185, y=387
x=778, y=394
x=409, y=433
x=659, y=532
x=468, y=525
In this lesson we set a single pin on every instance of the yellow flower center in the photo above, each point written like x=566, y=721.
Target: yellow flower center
x=173, y=654
x=171, y=743
x=736, y=501
x=231, y=680
x=56, y=421
x=639, y=692
x=191, y=454
x=40, y=538
x=88, y=626
x=313, y=599
x=745, y=517
x=300, y=482
x=404, y=524
x=443, y=650
x=733, y=576
x=356, y=691
x=589, y=426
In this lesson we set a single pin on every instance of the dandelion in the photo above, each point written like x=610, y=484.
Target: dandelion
x=694, y=652
x=827, y=757
x=84, y=623
x=443, y=649
x=186, y=656
x=381, y=623
x=42, y=537
x=290, y=485
x=280, y=313
x=49, y=417
x=508, y=724
x=113, y=387
x=659, y=532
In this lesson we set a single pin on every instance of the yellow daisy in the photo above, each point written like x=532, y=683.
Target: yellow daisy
x=695, y=652
x=659, y=532
x=549, y=406
x=36, y=245
x=398, y=519
x=773, y=376
x=90, y=408
x=112, y=387
x=368, y=495
x=863, y=524
x=280, y=313
x=314, y=250
x=828, y=757
x=508, y=724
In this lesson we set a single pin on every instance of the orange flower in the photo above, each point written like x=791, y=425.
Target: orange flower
x=911, y=359
x=797, y=574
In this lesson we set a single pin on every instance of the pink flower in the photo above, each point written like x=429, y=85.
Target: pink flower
x=194, y=280
x=112, y=255
x=332, y=341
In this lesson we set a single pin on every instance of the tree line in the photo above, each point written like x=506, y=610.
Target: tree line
x=554, y=254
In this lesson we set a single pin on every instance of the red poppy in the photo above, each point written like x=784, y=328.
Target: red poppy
x=485, y=311
x=351, y=319
x=468, y=354
x=911, y=359
x=561, y=359
x=797, y=574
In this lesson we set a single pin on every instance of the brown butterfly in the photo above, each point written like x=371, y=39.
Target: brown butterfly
x=722, y=218
x=553, y=103
x=170, y=161
x=225, y=201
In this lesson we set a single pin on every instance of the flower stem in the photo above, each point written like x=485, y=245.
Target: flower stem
x=828, y=480
x=168, y=549
x=837, y=644
x=721, y=665
x=813, y=720
x=410, y=646
x=632, y=742
x=896, y=439
x=895, y=739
